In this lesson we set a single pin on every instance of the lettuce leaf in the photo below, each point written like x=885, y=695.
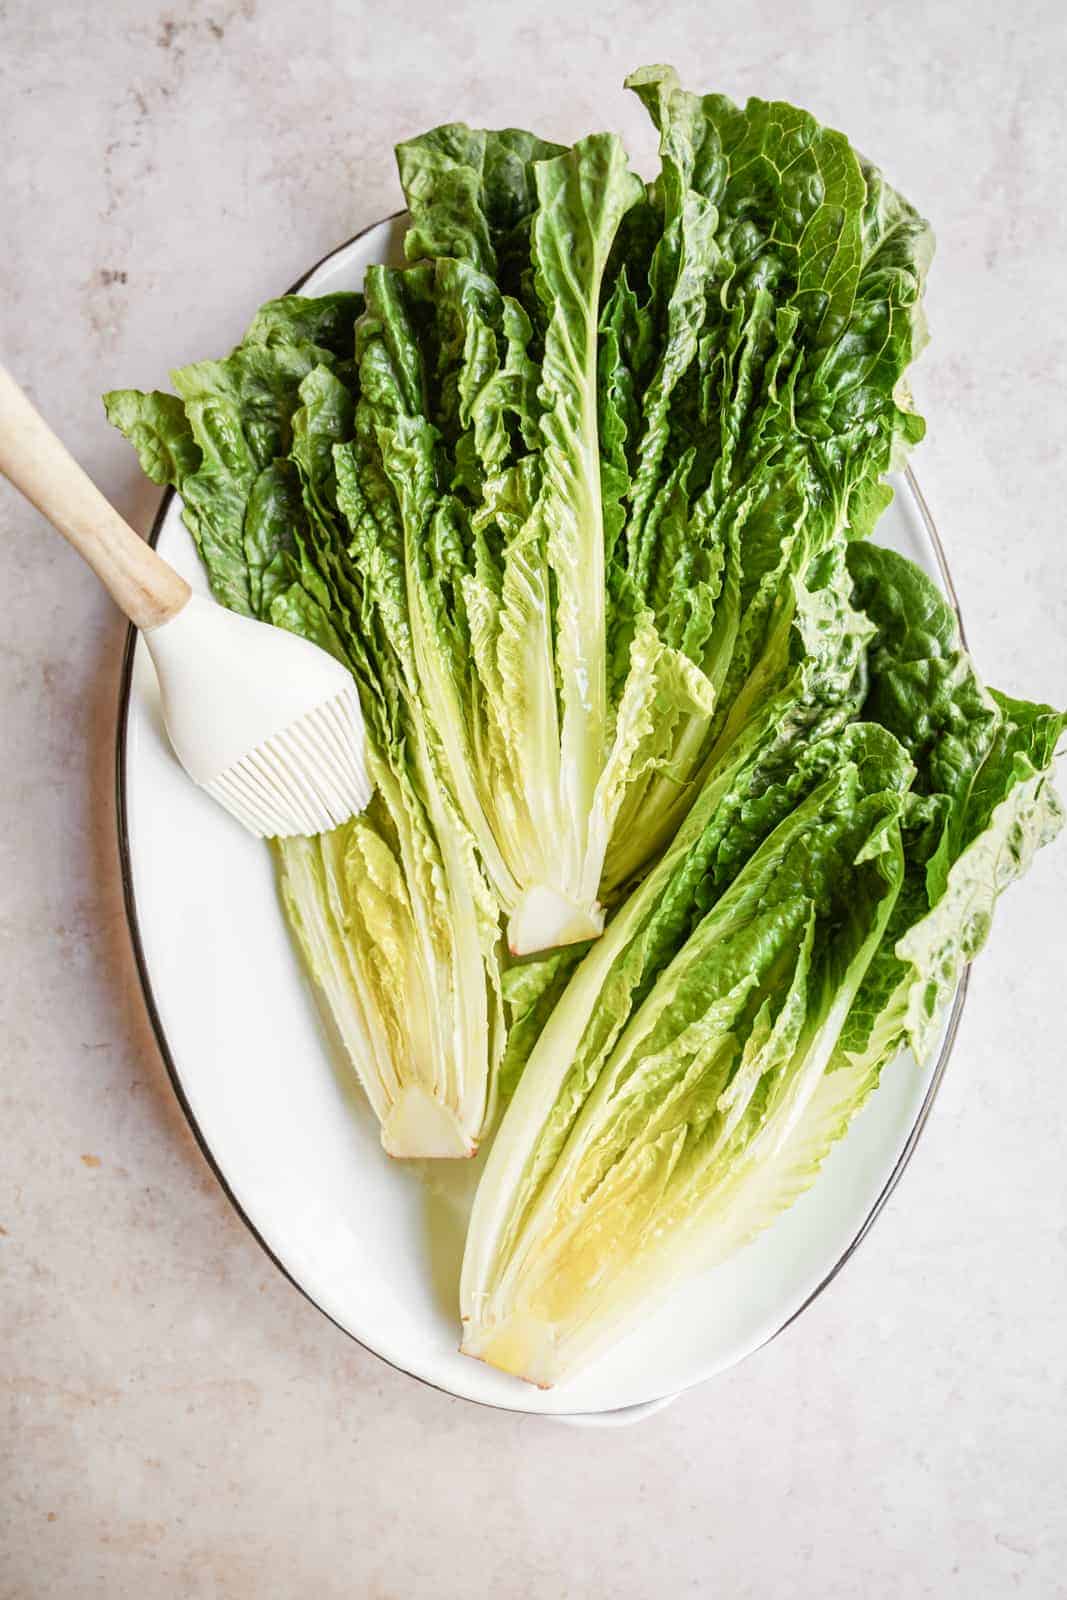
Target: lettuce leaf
x=983, y=803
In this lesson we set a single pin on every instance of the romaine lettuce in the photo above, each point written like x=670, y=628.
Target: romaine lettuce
x=392, y=910
x=665, y=1093
x=601, y=428
x=811, y=919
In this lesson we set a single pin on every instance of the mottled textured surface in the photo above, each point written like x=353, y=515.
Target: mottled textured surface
x=178, y=1421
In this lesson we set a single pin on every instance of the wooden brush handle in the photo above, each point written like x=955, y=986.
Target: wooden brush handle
x=141, y=583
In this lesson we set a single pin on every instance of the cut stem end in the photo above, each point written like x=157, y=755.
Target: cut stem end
x=545, y=919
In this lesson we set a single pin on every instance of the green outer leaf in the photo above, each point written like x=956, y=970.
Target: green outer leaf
x=468, y=190
x=156, y=426
x=326, y=321
x=582, y=197
x=984, y=804
x=1008, y=812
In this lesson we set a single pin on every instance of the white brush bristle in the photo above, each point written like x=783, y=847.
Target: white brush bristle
x=305, y=780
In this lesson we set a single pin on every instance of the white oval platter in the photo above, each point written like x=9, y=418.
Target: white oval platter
x=373, y=1243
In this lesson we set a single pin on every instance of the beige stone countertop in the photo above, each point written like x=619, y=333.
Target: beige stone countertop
x=177, y=1419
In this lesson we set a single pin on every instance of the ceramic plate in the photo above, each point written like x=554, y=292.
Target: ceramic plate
x=376, y=1244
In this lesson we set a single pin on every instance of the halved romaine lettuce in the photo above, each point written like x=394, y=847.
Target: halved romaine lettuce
x=601, y=430
x=811, y=918
x=771, y=393
x=660, y=1099
x=392, y=910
